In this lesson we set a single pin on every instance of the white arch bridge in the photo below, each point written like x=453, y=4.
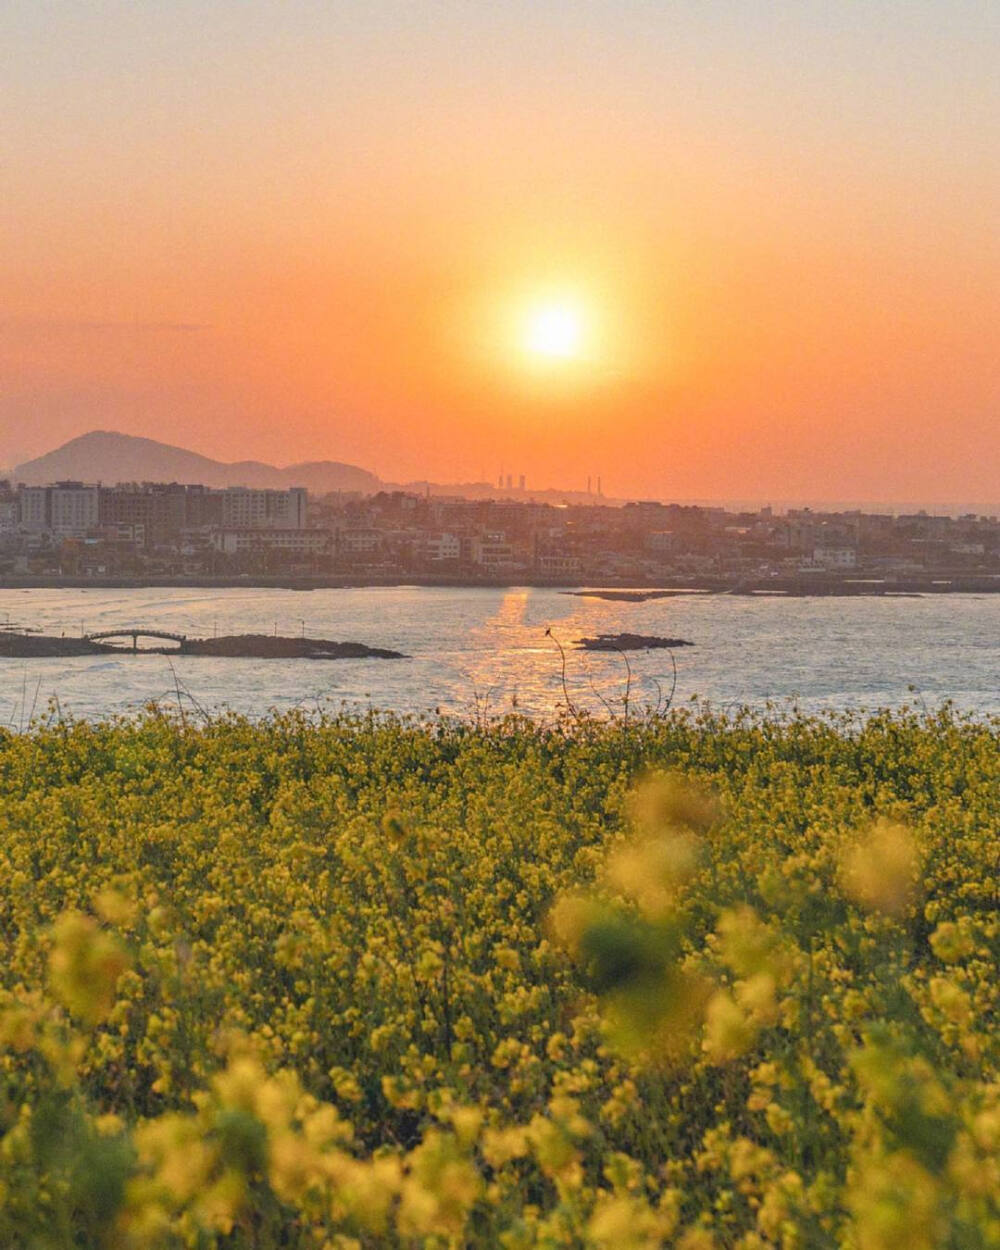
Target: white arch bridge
x=107, y=635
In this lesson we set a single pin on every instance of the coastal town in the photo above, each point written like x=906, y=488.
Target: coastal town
x=168, y=530
x=71, y=531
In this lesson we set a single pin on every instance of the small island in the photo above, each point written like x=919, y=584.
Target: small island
x=16, y=645
x=629, y=642
x=631, y=596
x=274, y=647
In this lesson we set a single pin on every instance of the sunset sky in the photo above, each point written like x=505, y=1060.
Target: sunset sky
x=705, y=249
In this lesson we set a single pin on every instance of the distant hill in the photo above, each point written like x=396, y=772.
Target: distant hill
x=105, y=456
x=109, y=457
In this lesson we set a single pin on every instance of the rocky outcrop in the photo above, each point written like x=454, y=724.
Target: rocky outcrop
x=272, y=647
x=629, y=642
x=235, y=646
x=38, y=646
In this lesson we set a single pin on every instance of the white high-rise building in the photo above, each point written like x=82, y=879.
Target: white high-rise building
x=67, y=508
x=246, y=508
x=74, y=508
x=35, y=515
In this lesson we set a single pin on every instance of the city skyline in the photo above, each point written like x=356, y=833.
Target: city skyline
x=705, y=253
x=136, y=530
x=102, y=463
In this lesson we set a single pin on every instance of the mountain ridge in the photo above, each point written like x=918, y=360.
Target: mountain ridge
x=112, y=457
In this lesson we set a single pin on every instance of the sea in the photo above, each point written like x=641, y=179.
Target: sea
x=479, y=653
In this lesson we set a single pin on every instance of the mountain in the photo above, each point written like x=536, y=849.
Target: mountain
x=105, y=456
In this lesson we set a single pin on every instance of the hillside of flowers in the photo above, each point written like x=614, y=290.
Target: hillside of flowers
x=691, y=981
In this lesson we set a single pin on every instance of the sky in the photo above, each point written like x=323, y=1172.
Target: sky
x=317, y=229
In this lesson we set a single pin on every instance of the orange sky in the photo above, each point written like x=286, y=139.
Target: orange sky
x=302, y=231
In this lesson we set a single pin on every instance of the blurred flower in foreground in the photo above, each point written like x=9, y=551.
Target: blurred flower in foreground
x=670, y=801
x=652, y=1001
x=880, y=872
x=84, y=966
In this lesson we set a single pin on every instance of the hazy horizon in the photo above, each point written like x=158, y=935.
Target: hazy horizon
x=735, y=503
x=707, y=252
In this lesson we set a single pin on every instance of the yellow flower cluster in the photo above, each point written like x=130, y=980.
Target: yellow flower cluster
x=694, y=982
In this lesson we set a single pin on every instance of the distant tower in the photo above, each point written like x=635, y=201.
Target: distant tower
x=588, y=483
x=500, y=480
x=599, y=492
x=510, y=481
x=520, y=482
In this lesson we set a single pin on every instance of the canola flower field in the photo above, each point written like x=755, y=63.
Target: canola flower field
x=693, y=982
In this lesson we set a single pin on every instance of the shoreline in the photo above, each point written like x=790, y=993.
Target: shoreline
x=801, y=586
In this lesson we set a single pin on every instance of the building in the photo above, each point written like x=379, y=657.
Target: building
x=835, y=557
x=358, y=542
x=490, y=551
x=559, y=565
x=158, y=510
x=245, y=508
x=36, y=515
x=660, y=541
x=69, y=509
x=130, y=534
x=202, y=507
x=303, y=542
x=75, y=509
x=9, y=511
x=438, y=547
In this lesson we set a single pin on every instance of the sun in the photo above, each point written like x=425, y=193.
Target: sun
x=554, y=331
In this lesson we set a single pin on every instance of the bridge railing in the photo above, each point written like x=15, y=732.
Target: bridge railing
x=103, y=634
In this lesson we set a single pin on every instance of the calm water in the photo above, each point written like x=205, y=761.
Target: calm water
x=487, y=648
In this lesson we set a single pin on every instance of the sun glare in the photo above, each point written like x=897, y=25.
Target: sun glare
x=554, y=331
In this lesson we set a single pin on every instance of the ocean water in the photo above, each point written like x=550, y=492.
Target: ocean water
x=483, y=652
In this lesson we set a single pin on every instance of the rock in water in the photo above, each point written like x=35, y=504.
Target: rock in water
x=629, y=642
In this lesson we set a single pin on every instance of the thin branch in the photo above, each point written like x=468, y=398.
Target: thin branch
x=628, y=681
x=562, y=657
x=590, y=678
x=673, y=684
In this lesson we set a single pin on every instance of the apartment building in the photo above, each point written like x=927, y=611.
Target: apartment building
x=245, y=508
x=233, y=542
x=436, y=548
x=359, y=541
x=69, y=509
x=490, y=551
